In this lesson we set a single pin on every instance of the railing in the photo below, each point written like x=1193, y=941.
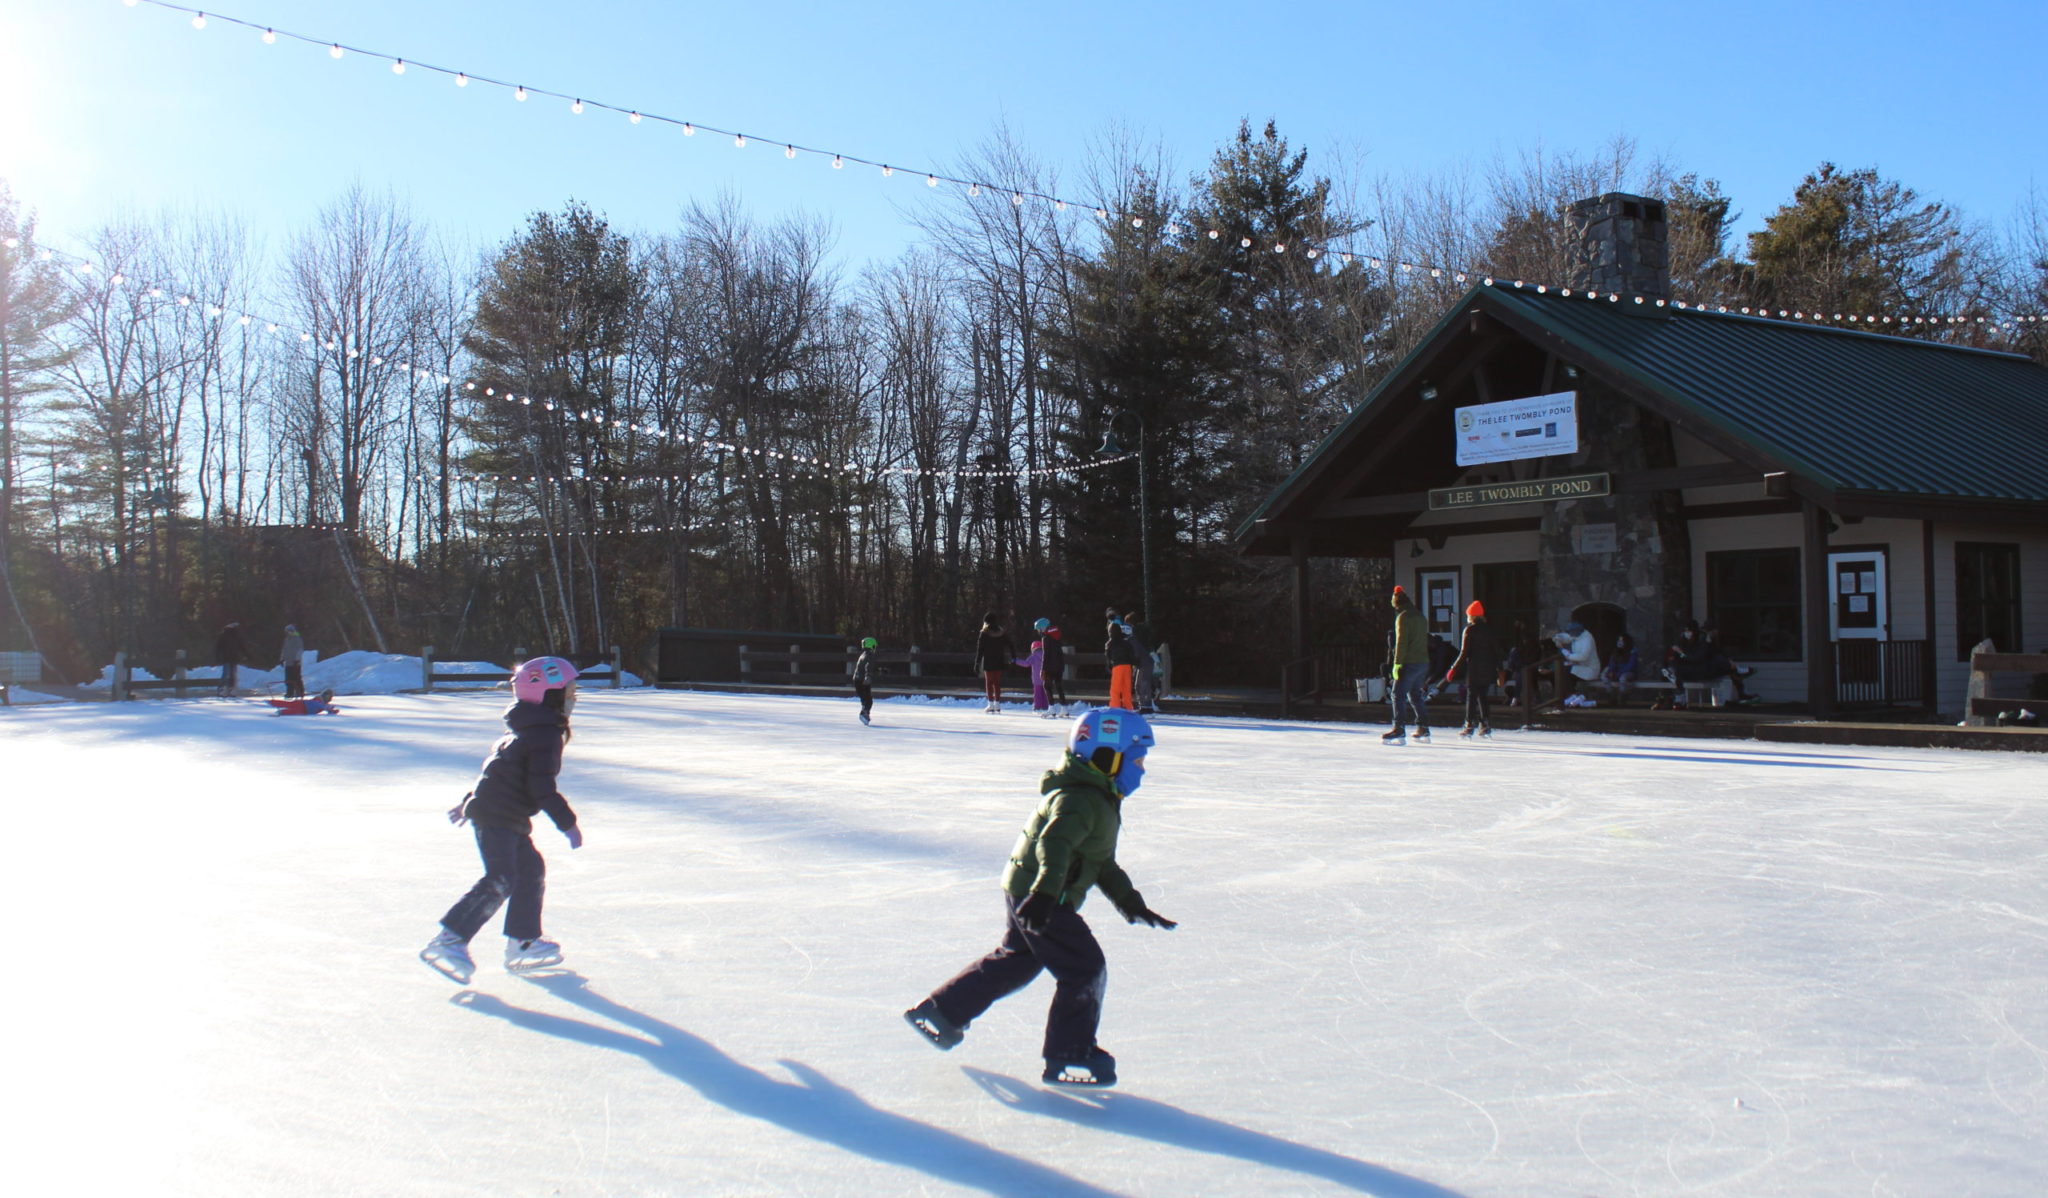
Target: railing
x=787, y=667
x=18, y=667
x=1872, y=673
x=1331, y=667
x=429, y=676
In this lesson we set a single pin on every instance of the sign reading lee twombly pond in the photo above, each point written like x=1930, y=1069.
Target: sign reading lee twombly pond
x=1535, y=490
x=1513, y=429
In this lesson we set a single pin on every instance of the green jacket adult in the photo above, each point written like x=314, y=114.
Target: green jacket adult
x=1411, y=635
x=1069, y=844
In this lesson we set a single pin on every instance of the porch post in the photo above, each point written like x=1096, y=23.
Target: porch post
x=1298, y=547
x=1931, y=686
x=1820, y=653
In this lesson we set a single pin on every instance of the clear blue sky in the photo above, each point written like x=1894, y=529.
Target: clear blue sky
x=107, y=109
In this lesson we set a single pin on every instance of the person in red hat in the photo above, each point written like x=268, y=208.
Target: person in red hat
x=1478, y=663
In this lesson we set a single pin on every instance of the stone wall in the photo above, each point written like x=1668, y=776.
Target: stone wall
x=1620, y=244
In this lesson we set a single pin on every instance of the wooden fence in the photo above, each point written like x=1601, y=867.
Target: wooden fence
x=796, y=666
x=1986, y=661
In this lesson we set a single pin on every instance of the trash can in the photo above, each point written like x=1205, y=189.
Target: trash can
x=1371, y=690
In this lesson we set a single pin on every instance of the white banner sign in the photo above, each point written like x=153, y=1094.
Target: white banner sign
x=1536, y=427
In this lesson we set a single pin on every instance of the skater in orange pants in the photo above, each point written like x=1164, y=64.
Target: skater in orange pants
x=1123, y=667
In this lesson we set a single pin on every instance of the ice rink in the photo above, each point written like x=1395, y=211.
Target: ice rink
x=1550, y=965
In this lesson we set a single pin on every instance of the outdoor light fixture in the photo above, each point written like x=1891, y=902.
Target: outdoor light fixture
x=1428, y=391
x=1571, y=372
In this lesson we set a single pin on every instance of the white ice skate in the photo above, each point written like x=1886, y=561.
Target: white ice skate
x=525, y=956
x=448, y=954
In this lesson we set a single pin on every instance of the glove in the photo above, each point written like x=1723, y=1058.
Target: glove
x=575, y=834
x=1134, y=910
x=459, y=814
x=1036, y=911
x=1450, y=675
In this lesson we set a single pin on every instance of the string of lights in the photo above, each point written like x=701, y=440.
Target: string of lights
x=1310, y=249
x=305, y=340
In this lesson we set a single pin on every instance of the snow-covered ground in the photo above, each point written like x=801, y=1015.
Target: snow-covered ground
x=1551, y=965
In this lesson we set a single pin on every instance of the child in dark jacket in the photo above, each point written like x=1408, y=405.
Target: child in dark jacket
x=993, y=653
x=1067, y=848
x=517, y=783
x=1478, y=664
x=1054, y=668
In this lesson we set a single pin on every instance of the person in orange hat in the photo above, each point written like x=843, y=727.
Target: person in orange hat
x=1479, y=664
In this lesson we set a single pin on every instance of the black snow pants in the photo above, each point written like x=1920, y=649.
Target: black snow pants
x=1067, y=949
x=867, y=696
x=514, y=870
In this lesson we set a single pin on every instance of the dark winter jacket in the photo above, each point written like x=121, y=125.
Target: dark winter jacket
x=1055, y=664
x=864, y=668
x=228, y=647
x=993, y=652
x=1069, y=844
x=1144, y=639
x=1118, y=648
x=1479, y=658
x=518, y=781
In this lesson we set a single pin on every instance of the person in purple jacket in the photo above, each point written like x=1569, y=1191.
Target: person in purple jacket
x=517, y=783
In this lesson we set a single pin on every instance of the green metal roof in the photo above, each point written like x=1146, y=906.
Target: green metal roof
x=1849, y=410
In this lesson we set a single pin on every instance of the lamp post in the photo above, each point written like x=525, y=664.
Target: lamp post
x=1110, y=449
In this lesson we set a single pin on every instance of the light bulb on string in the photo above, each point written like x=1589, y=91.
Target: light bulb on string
x=931, y=180
x=838, y=163
x=519, y=93
x=739, y=141
x=789, y=151
x=689, y=130
x=398, y=66
x=576, y=107
x=634, y=117
x=1244, y=243
x=334, y=51
x=199, y=20
x=887, y=170
x=461, y=80
x=973, y=189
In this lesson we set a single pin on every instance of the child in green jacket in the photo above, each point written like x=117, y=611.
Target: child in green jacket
x=1067, y=847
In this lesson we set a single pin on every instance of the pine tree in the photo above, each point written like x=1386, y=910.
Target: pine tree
x=33, y=306
x=1851, y=242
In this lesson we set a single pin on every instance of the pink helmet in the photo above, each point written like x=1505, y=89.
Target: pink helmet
x=533, y=680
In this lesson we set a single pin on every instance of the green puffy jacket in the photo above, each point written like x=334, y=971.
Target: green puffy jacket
x=1069, y=844
x=1411, y=638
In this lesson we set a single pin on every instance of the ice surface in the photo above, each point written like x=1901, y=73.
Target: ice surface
x=1551, y=965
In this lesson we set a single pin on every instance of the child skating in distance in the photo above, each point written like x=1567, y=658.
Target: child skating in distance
x=864, y=677
x=517, y=783
x=1067, y=848
x=1035, y=662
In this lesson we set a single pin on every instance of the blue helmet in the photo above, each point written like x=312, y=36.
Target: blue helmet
x=1041, y=624
x=1114, y=741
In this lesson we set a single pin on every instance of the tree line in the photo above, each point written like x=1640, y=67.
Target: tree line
x=587, y=433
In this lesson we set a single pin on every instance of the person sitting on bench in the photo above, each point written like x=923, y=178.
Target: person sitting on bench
x=1697, y=659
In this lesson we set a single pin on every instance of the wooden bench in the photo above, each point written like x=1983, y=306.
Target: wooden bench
x=1985, y=661
x=1697, y=694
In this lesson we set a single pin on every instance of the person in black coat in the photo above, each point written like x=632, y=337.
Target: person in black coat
x=517, y=783
x=993, y=653
x=228, y=652
x=1479, y=663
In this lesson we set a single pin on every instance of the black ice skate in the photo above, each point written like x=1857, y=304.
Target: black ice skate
x=941, y=1031
x=1396, y=737
x=1098, y=1068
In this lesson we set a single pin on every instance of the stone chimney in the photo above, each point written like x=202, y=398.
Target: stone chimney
x=1620, y=244
x=1628, y=552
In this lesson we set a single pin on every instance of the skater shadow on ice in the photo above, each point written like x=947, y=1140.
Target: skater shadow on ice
x=1147, y=1119
x=811, y=1105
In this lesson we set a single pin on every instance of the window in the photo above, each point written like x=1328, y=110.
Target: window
x=1753, y=603
x=1987, y=597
